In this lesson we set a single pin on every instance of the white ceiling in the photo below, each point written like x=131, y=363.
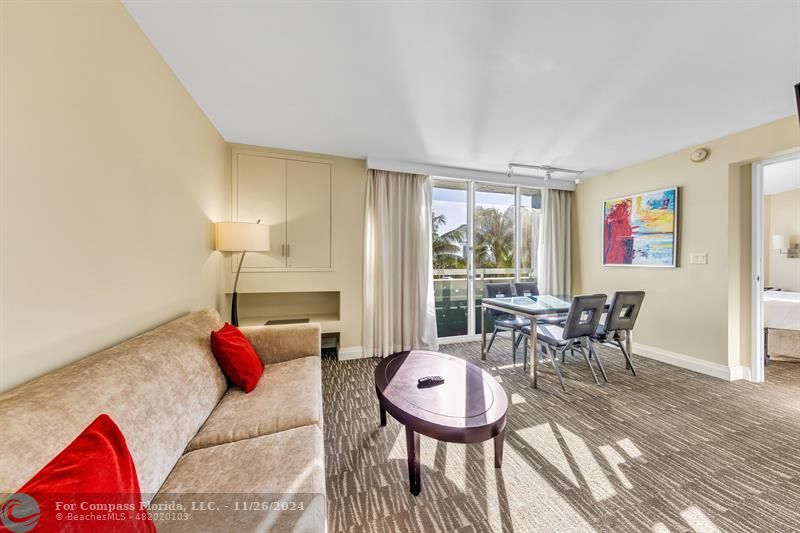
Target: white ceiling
x=781, y=177
x=588, y=85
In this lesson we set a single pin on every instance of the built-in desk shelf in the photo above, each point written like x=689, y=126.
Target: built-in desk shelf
x=329, y=323
x=256, y=308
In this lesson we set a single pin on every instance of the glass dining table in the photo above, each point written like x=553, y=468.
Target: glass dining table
x=531, y=307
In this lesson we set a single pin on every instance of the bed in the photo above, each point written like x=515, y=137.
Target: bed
x=782, y=325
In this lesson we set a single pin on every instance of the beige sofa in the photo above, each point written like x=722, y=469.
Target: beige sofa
x=209, y=457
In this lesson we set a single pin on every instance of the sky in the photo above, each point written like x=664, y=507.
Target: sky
x=452, y=203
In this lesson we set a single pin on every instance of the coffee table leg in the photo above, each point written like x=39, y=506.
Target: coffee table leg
x=498, y=449
x=383, y=415
x=412, y=448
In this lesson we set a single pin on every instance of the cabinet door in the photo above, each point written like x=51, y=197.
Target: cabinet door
x=308, y=214
x=261, y=194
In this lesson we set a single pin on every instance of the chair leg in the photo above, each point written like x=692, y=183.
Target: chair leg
x=519, y=338
x=627, y=361
x=553, y=355
x=588, y=362
x=524, y=353
x=599, y=362
x=494, y=334
x=627, y=357
x=513, y=347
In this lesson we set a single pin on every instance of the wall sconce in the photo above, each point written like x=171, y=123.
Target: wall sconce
x=782, y=245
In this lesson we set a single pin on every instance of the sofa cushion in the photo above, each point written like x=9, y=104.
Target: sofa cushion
x=158, y=387
x=243, y=480
x=279, y=343
x=289, y=395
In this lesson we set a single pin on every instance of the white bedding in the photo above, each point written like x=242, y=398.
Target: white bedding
x=782, y=310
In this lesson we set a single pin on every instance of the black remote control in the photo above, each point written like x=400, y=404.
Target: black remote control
x=430, y=381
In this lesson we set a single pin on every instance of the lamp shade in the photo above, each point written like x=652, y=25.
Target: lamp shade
x=780, y=242
x=242, y=236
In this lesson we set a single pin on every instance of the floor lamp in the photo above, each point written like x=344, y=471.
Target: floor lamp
x=241, y=237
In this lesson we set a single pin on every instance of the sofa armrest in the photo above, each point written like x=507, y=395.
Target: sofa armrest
x=276, y=344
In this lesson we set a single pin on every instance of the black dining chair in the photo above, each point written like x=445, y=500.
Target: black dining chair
x=576, y=333
x=526, y=288
x=531, y=288
x=621, y=317
x=503, y=321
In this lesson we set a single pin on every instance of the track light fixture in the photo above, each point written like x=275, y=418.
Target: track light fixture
x=548, y=171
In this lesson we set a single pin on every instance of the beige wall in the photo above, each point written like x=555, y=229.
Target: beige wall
x=767, y=239
x=782, y=217
x=701, y=311
x=348, y=197
x=110, y=179
x=740, y=263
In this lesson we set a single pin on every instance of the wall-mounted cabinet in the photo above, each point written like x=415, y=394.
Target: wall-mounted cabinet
x=292, y=196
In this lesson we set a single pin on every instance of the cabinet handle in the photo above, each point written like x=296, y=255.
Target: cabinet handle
x=283, y=250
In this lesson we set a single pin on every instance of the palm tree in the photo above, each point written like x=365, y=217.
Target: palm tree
x=447, y=247
x=494, y=237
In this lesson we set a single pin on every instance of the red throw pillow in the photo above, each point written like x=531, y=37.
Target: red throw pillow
x=90, y=486
x=237, y=357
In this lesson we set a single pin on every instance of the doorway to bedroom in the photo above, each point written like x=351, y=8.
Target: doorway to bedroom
x=776, y=262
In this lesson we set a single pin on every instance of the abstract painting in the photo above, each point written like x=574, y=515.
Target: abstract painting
x=641, y=229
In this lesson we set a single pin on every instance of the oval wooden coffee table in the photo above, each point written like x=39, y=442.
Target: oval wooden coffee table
x=470, y=406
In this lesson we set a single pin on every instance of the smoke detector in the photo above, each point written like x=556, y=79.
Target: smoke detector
x=699, y=155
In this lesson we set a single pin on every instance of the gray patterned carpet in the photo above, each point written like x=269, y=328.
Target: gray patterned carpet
x=669, y=450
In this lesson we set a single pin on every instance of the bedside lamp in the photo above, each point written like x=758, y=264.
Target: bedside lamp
x=241, y=237
x=782, y=245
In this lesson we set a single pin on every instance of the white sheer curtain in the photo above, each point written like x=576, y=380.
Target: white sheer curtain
x=399, y=312
x=555, y=268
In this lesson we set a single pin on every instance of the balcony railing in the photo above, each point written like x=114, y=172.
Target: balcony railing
x=451, y=295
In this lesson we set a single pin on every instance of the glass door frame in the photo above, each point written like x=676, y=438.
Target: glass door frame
x=471, y=183
x=470, y=258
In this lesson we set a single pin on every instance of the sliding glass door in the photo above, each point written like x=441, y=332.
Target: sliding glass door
x=493, y=237
x=449, y=224
x=482, y=233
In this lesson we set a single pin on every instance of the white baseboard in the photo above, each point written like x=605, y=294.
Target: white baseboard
x=351, y=352
x=728, y=373
x=740, y=372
